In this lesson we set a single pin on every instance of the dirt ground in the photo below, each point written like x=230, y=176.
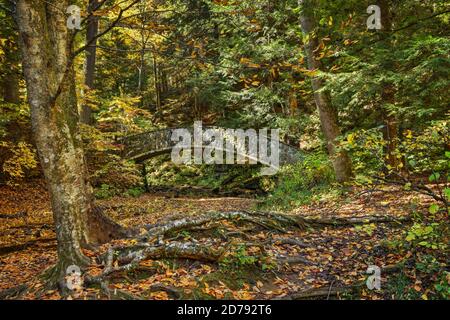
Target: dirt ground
x=327, y=257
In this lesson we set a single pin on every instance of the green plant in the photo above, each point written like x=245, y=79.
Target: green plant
x=443, y=286
x=135, y=192
x=399, y=287
x=303, y=182
x=239, y=258
x=105, y=191
x=427, y=235
x=367, y=228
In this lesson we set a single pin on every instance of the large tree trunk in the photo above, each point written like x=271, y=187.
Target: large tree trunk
x=89, y=72
x=328, y=115
x=52, y=97
x=45, y=49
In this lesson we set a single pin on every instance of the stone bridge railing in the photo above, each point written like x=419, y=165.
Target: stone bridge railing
x=143, y=146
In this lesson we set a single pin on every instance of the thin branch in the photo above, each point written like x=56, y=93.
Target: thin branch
x=109, y=28
x=80, y=50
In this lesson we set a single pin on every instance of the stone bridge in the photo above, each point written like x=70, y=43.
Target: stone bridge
x=143, y=146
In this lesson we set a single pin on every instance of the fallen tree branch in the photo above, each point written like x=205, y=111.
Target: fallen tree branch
x=323, y=292
x=23, y=246
x=290, y=241
x=13, y=292
x=295, y=260
x=173, y=292
x=18, y=215
x=340, y=221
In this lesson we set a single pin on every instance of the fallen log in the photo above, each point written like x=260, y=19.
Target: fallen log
x=18, y=215
x=294, y=260
x=323, y=292
x=290, y=241
x=341, y=221
x=23, y=246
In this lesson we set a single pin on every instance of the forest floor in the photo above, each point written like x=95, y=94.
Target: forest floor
x=327, y=257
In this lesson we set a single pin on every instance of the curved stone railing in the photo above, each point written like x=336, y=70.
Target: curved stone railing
x=146, y=145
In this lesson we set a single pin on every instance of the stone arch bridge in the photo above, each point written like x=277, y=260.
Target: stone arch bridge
x=147, y=145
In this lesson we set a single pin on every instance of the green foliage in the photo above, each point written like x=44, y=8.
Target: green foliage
x=22, y=158
x=105, y=191
x=121, y=114
x=399, y=287
x=418, y=153
x=302, y=182
x=429, y=280
x=162, y=173
x=443, y=286
x=426, y=235
x=426, y=243
x=241, y=259
x=135, y=192
x=108, y=171
x=366, y=228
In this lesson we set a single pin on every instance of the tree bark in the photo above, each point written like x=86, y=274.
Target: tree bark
x=156, y=82
x=49, y=75
x=9, y=82
x=390, y=129
x=45, y=49
x=10, y=88
x=89, y=74
x=328, y=115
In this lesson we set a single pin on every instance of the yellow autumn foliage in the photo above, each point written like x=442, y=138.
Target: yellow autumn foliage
x=22, y=158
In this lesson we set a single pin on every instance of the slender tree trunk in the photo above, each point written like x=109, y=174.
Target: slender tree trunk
x=46, y=52
x=328, y=115
x=89, y=74
x=390, y=129
x=10, y=88
x=141, y=70
x=157, y=85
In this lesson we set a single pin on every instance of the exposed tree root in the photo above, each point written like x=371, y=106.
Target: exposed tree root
x=173, y=292
x=128, y=258
x=151, y=245
x=14, y=292
x=120, y=259
x=294, y=260
x=116, y=294
x=267, y=220
x=324, y=292
x=103, y=229
x=290, y=241
x=339, y=221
